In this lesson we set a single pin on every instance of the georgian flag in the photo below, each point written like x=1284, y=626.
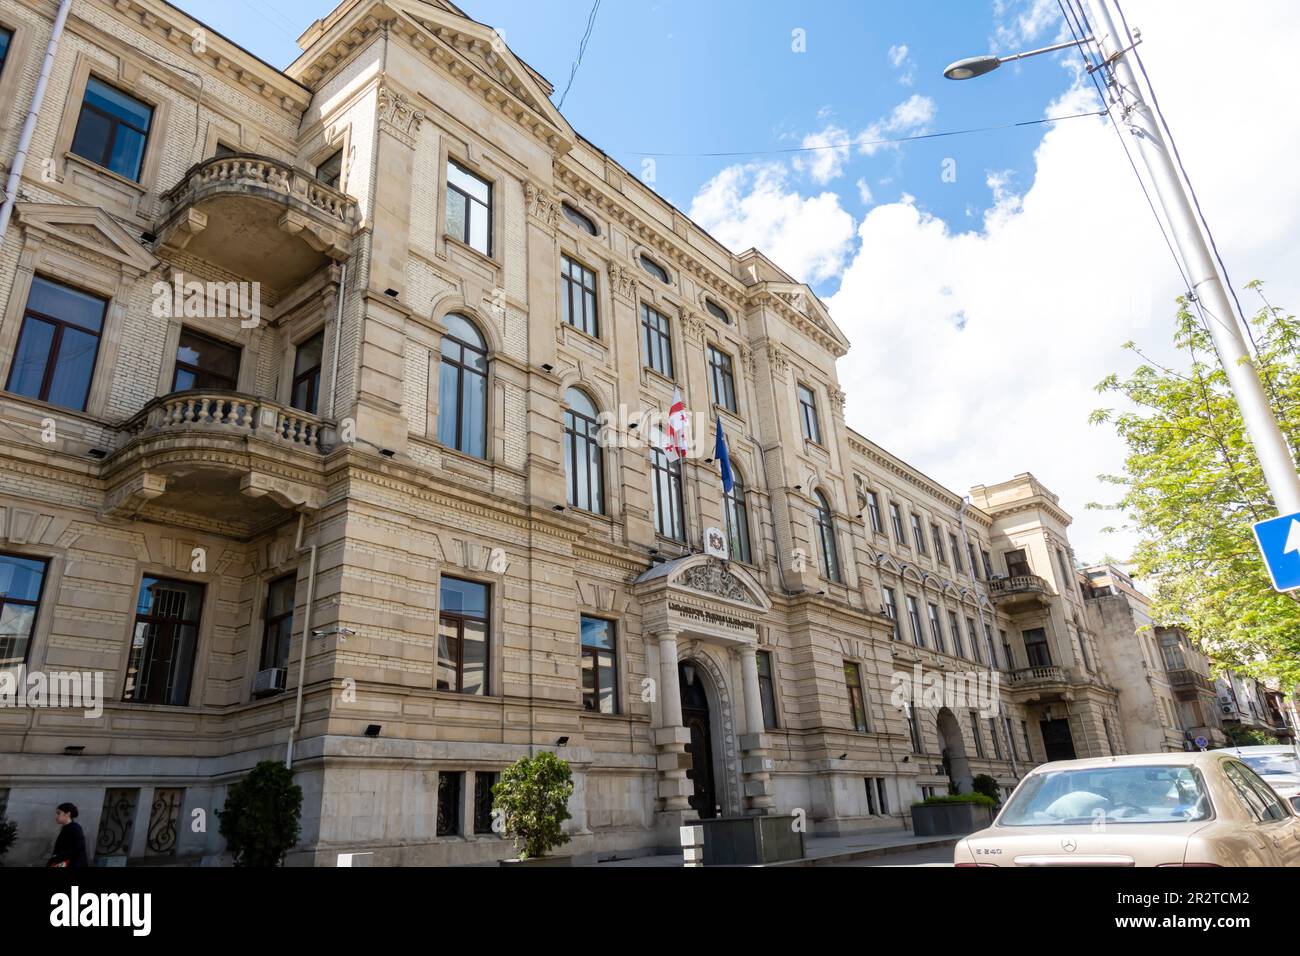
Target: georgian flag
x=677, y=439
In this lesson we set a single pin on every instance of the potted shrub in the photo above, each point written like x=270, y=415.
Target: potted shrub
x=261, y=818
x=533, y=799
x=986, y=785
x=8, y=836
x=957, y=815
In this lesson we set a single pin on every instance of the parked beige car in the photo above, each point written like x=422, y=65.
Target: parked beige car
x=1175, y=809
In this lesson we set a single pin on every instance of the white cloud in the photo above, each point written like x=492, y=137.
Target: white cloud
x=982, y=347
x=864, y=193
x=1017, y=22
x=913, y=115
x=829, y=158
x=753, y=205
x=902, y=63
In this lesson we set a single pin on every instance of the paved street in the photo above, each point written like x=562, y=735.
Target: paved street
x=931, y=856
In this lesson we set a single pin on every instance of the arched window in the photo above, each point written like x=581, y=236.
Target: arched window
x=583, y=222
x=826, y=537
x=655, y=269
x=583, y=460
x=670, y=520
x=462, y=388
x=737, y=515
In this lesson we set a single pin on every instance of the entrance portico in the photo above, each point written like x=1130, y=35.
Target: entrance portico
x=702, y=617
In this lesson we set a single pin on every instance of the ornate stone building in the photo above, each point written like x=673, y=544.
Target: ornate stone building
x=358, y=355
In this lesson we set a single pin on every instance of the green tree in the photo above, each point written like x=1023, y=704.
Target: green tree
x=533, y=798
x=261, y=818
x=1192, y=487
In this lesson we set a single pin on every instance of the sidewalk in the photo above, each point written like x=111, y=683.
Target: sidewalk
x=820, y=851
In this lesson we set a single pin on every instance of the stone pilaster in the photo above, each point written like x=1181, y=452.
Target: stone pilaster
x=755, y=765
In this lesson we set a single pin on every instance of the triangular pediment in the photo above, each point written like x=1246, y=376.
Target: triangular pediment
x=87, y=228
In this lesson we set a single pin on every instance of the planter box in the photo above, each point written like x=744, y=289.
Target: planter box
x=741, y=841
x=952, y=819
x=540, y=861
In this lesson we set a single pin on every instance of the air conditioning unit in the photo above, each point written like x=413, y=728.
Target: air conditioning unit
x=269, y=681
x=1227, y=708
x=1225, y=699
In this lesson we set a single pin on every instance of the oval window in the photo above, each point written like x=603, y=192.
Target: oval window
x=578, y=219
x=717, y=311
x=655, y=269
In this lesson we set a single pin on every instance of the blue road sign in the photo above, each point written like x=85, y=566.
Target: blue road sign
x=1279, y=542
x=1202, y=742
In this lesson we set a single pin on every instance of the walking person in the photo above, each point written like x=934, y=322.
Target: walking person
x=70, y=846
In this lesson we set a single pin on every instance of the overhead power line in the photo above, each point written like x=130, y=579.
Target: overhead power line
x=863, y=143
x=582, y=48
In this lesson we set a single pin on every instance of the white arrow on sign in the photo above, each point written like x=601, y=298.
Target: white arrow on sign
x=1292, y=537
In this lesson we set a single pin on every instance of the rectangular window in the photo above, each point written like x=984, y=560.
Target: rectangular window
x=873, y=509
x=1008, y=659
x=808, y=420
x=484, y=780
x=1065, y=569
x=988, y=565
x=955, y=551
x=973, y=640
x=449, y=783
x=112, y=129
x=880, y=795
x=974, y=565
x=463, y=637
x=954, y=625
x=1036, y=649
x=656, y=341
x=305, y=393
x=857, y=702
x=936, y=629
x=1011, y=738
x=767, y=689
x=917, y=534
x=938, y=543
x=6, y=37
x=891, y=608
x=164, y=641
x=914, y=617
x=975, y=729
x=330, y=169
x=578, y=296
x=1024, y=730
x=599, y=666
x=666, y=478
x=896, y=519
x=469, y=208
x=722, y=381
x=992, y=648
x=993, y=735
x=205, y=363
x=21, y=582
x=870, y=784
x=277, y=622
x=57, y=345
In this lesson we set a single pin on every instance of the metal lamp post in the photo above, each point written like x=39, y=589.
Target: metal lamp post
x=1207, y=285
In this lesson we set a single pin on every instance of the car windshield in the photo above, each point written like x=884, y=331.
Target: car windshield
x=1273, y=763
x=1160, y=794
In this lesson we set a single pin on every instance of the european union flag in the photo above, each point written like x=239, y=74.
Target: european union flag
x=724, y=460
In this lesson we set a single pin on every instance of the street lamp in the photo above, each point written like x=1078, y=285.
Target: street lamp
x=1206, y=285
x=979, y=65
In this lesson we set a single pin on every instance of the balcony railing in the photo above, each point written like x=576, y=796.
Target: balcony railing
x=1018, y=586
x=1183, y=678
x=228, y=413
x=1041, y=674
x=242, y=172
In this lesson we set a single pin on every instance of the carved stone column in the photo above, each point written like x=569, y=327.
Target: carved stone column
x=755, y=765
x=672, y=738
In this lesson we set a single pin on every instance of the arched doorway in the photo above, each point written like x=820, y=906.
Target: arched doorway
x=955, y=762
x=695, y=717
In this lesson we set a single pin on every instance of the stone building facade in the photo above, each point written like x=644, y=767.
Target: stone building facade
x=316, y=356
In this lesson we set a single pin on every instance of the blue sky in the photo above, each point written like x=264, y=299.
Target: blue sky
x=707, y=76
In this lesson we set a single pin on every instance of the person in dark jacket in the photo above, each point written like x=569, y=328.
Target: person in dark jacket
x=70, y=847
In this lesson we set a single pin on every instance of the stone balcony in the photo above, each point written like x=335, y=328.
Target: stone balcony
x=259, y=218
x=1044, y=682
x=1020, y=593
x=220, y=458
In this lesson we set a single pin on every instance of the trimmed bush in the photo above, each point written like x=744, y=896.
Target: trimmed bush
x=261, y=818
x=8, y=835
x=979, y=799
x=986, y=785
x=533, y=797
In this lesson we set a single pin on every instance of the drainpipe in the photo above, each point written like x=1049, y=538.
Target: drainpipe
x=979, y=608
x=338, y=332
x=29, y=125
x=306, y=636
